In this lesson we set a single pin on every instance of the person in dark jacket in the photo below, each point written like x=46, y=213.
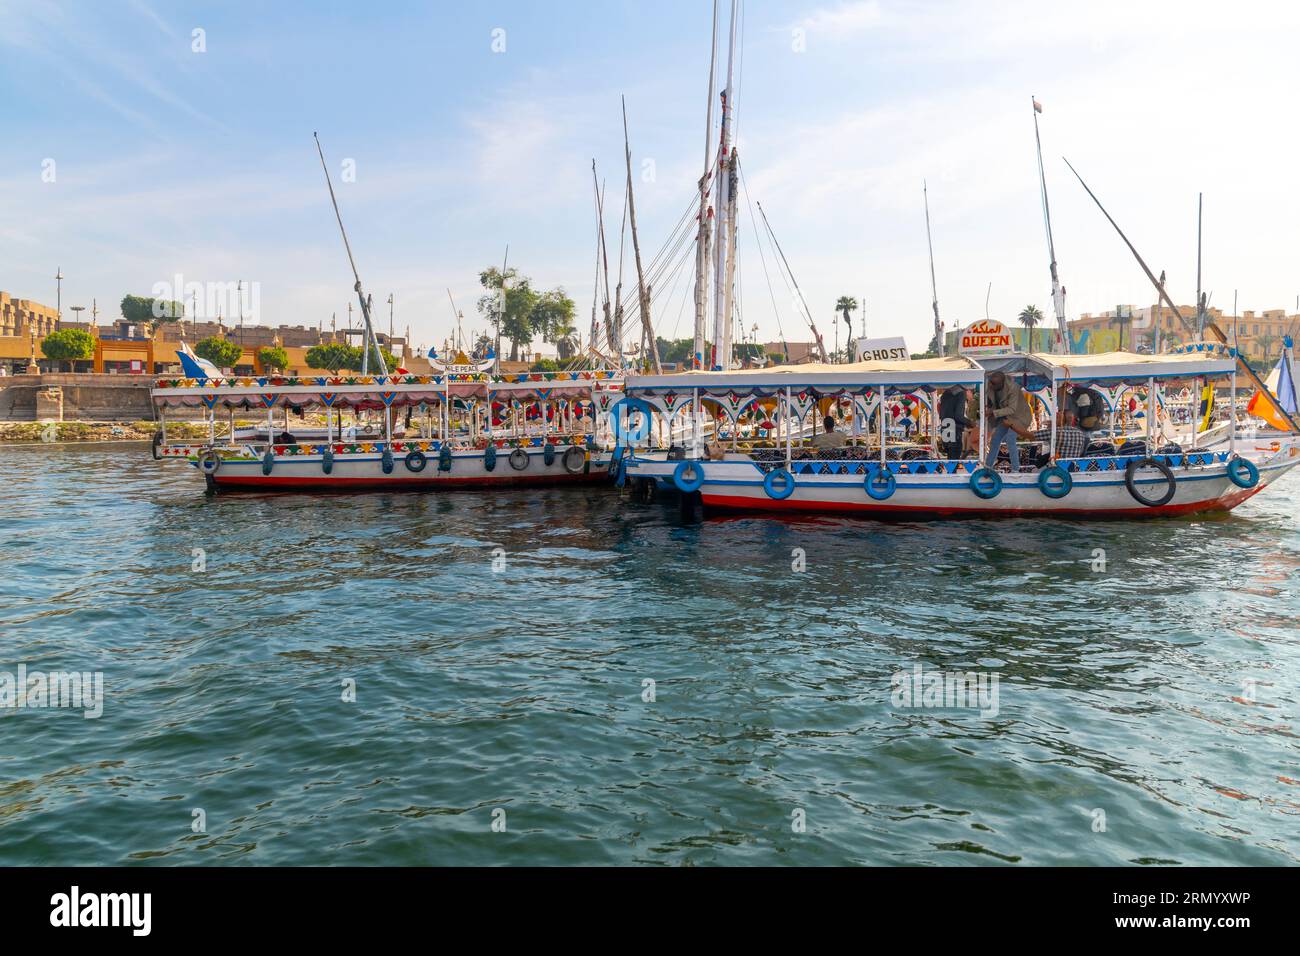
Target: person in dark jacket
x=1009, y=408
x=953, y=421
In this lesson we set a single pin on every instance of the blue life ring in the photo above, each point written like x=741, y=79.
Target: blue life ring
x=986, y=483
x=685, y=485
x=787, y=486
x=268, y=462
x=327, y=461
x=490, y=456
x=1235, y=468
x=1055, y=482
x=444, y=458
x=386, y=461
x=875, y=487
x=209, y=463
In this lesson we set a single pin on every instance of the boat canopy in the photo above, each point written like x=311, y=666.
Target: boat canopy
x=371, y=391
x=1116, y=368
x=851, y=376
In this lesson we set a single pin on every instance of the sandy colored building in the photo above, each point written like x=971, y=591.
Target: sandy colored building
x=1258, y=335
x=17, y=316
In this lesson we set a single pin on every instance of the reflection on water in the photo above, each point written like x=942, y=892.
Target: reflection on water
x=629, y=687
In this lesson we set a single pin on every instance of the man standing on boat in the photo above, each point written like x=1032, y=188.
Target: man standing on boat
x=1010, y=409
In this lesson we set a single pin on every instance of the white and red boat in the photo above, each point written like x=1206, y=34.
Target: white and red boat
x=461, y=428
x=872, y=475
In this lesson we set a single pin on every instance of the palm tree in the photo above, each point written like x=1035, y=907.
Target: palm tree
x=1265, y=344
x=1029, y=317
x=1123, y=316
x=845, y=306
x=565, y=336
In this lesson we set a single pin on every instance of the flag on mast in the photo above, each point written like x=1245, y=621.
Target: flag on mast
x=1038, y=107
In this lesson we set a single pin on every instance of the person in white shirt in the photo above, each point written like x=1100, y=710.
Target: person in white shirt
x=830, y=438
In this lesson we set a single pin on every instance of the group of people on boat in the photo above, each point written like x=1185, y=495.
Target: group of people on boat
x=1008, y=412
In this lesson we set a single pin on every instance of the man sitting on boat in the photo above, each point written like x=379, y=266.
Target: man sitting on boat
x=1088, y=407
x=1010, y=409
x=830, y=438
x=1070, y=439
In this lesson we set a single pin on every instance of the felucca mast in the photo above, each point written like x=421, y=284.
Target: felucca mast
x=643, y=291
x=1058, y=293
x=1211, y=326
x=725, y=207
x=934, y=289
x=702, y=235
x=371, y=341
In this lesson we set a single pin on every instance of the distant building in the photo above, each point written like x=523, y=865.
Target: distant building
x=799, y=353
x=18, y=316
x=1156, y=328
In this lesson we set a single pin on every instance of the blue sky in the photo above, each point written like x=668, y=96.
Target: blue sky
x=169, y=161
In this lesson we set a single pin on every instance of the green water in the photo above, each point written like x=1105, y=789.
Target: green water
x=1145, y=711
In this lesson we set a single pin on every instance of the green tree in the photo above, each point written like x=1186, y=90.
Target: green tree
x=333, y=356
x=1264, y=344
x=1030, y=317
x=68, y=345
x=1123, y=317
x=219, y=352
x=149, y=312
x=336, y=357
x=552, y=315
x=273, y=357
x=676, y=351
x=846, y=306
x=515, y=323
x=545, y=365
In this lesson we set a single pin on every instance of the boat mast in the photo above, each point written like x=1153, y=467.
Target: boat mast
x=1200, y=296
x=1058, y=293
x=595, y=293
x=721, y=250
x=364, y=299
x=1210, y=324
x=817, y=336
x=643, y=291
x=934, y=290
x=702, y=235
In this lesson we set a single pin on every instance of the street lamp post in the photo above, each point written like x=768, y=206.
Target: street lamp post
x=58, y=306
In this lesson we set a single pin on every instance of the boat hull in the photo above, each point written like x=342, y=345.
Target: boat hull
x=1098, y=489
x=246, y=470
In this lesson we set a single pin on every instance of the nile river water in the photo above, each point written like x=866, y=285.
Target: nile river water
x=618, y=685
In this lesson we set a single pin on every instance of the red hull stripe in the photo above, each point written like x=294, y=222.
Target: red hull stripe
x=325, y=483
x=732, y=502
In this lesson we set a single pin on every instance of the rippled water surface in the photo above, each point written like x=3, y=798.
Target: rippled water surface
x=1146, y=713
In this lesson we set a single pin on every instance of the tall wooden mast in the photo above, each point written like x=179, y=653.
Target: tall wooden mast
x=1058, y=293
x=643, y=291
x=722, y=250
x=934, y=289
x=698, y=359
